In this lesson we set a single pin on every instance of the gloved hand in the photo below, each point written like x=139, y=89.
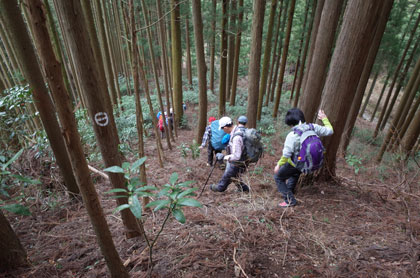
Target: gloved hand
x=219, y=156
x=200, y=147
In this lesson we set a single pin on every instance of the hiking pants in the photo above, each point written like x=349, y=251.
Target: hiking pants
x=232, y=174
x=291, y=174
x=210, y=153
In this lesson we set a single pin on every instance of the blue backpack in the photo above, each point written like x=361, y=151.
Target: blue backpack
x=217, y=136
x=311, y=154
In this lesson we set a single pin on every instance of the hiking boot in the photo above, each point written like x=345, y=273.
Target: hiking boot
x=243, y=188
x=213, y=187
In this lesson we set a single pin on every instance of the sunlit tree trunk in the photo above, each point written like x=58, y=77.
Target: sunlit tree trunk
x=176, y=61
x=187, y=42
x=237, y=52
x=317, y=72
x=69, y=128
x=356, y=35
x=254, y=62
x=223, y=60
x=284, y=58
x=213, y=44
x=201, y=68
x=266, y=61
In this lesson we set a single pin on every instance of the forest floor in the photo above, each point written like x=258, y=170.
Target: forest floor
x=360, y=225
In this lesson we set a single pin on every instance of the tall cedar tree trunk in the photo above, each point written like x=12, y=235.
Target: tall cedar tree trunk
x=212, y=44
x=155, y=73
x=237, y=52
x=408, y=120
x=275, y=54
x=95, y=92
x=40, y=94
x=412, y=134
x=166, y=74
x=231, y=48
x=266, y=62
x=380, y=96
x=284, y=58
x=314, y=33
x=283, y=14
x=372, y=86
x=139, y=108
x=254, y=63
x=302, y=37
x=317, y=73
x=12, y=254
x=364, y=78
x=69, y=128
x=382, y=121
x=223, y=61
x=201, y=68
x=176, y=61
x=413, y=84
x=303, y=61
x=356, y=35
x=187, y=42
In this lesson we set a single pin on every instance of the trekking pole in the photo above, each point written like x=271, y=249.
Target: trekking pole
x=204, y=186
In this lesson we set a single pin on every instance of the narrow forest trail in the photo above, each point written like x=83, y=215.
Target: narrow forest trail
x=358, y=228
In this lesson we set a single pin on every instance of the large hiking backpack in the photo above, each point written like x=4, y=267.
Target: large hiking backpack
x=217, y=136
x=253, y=147
x=311, y=154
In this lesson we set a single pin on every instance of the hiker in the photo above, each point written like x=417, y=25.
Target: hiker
x=242, y=121
x=289, y=167
x=211, y=151
x=160, y=124
x=235, y=158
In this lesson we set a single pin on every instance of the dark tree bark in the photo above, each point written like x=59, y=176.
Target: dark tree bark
x=12, y=254
x=201, y=68
x=317, y=72
x=40, y=94
x=71, y=135
x=254, y=63
x=231, y=48
x=361, y=87
x=237, y=52
x=187, y=42
x=412, y=134
x=356, y=35
x=176, y=61
x=95, y=92
x=266, y=61
x=213, y=45
x=223, y=61
x=284, y=58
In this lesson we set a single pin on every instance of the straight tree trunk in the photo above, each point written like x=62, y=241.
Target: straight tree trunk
x=347, y=63
x=213, y=44
x=317, y=72
x=201, y=68
x=176, y=61
x=266, y=61
x=380, y=97
x=372, y=86
x=69, y=129
x=413, y=84
x=187, y=42
x=12, y=254
x=95, y=91
x=408, y=120
x=231, y=48
x=43, y=102
x=284, y=58
x=305, y=52
x=237, y=52
x=254, y=63
x=223, y=61
x=380, y=124
x=364, y=78
x=412, y=134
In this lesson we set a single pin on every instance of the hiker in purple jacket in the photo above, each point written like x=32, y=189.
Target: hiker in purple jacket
x=285, y=169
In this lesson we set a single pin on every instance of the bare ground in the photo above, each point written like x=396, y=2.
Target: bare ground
x=364, y=225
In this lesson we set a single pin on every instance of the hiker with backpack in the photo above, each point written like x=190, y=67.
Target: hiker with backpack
x=302, y=152
x=244, y=147
x=207, y=139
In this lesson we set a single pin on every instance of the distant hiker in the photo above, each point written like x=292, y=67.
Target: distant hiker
x=302, y=152
x=207, y=139
x=235, y=158
x=160, y=124
x=184, y=106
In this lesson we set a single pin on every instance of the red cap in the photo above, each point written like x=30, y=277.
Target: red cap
x=212, y=119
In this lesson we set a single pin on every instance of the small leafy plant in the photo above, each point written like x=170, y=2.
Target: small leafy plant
x=355, y=162
x=172, y=197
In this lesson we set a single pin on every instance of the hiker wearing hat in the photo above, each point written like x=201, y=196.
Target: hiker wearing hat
x=207, y=139
x=302, y=152
x=235, y=158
